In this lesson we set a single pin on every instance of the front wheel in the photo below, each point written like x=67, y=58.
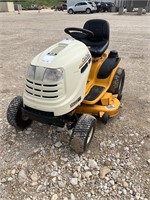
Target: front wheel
x=118, y=83
x=15, y=116
x=82, y=133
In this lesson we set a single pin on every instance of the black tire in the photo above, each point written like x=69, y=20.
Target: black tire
x=14, y=114
x=118, y=83
x=105, y=118
x=82, y=133
x=88, y=11
x=70, y=11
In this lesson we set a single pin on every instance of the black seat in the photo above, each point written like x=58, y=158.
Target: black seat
x=99, y=43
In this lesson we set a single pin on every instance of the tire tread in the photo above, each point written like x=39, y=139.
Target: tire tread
x=79, y=134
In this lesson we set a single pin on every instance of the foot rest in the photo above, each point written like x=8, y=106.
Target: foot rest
x=94, y=93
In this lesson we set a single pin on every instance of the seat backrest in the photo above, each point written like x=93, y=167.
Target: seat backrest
x=99, y=27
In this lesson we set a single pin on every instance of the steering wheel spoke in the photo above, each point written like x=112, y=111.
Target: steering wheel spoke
x=78, y=33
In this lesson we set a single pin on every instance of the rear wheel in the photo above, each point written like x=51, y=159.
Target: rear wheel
x=83, y=133
x=15, y=116
x=70, y=11
x=88, y=10
x=118, y=83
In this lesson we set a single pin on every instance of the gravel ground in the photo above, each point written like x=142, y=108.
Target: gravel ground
x=37, y=164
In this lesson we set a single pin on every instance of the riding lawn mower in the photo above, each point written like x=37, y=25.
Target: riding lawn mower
x=72, y=83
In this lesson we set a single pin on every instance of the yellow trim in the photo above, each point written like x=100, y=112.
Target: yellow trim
x=93, y=80
x=109, y=102
x=106, y=99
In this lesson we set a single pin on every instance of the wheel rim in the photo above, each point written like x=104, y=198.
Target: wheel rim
x=88, y=11
x=24, y=117
x=90, y=136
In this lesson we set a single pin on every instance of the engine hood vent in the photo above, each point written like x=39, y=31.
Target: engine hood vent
x=49, y=57
x=57, y=49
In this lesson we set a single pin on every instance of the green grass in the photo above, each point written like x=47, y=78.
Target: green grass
x=48, y=3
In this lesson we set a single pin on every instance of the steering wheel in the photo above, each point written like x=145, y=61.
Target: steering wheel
x=78, y=33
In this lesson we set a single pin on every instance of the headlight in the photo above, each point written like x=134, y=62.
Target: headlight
x=44, y=74
x=31, y=72
x=53, y=75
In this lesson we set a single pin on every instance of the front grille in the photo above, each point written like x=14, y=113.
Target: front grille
x=45, y=91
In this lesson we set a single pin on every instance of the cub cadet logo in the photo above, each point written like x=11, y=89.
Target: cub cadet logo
x=84, y=59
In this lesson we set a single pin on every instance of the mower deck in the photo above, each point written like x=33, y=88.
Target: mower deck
x=109, y=104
